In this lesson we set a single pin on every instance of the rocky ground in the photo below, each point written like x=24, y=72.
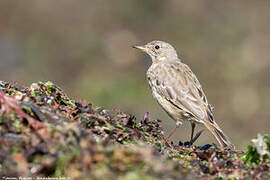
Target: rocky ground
x=44, y=133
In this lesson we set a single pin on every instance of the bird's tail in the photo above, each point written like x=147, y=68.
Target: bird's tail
x=223, y=140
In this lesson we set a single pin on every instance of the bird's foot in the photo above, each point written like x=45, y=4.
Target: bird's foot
x=191, y=142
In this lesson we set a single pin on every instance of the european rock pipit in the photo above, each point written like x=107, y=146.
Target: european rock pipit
x=178, y=91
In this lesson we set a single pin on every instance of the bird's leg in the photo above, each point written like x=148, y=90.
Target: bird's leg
x=196, y=137
x=192, y=140
x=192, y=131
x=172, y=132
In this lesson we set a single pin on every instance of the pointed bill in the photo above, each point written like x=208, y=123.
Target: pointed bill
x=139, y=47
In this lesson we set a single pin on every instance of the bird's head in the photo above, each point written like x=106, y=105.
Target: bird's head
x=159, y=51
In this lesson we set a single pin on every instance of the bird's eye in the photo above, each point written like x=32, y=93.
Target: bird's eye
x=157, y=47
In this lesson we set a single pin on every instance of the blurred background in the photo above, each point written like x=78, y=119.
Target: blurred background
x=84, y=46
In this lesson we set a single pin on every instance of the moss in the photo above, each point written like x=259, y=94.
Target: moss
x=17, y=125
x=61, y=166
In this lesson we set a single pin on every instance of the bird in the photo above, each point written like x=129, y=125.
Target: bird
x=179, y=92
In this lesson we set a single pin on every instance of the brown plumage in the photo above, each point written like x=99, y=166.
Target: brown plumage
x=178, y=91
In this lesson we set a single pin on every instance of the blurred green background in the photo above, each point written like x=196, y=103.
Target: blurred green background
x=84, y=46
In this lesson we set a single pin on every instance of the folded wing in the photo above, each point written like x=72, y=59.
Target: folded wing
x=179, y=85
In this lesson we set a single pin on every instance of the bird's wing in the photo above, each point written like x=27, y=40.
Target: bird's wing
x=176, y=82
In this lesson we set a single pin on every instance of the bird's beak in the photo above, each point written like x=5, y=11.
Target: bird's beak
x=143, y=48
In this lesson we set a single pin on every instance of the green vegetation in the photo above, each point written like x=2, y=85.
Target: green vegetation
x=260, y=152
